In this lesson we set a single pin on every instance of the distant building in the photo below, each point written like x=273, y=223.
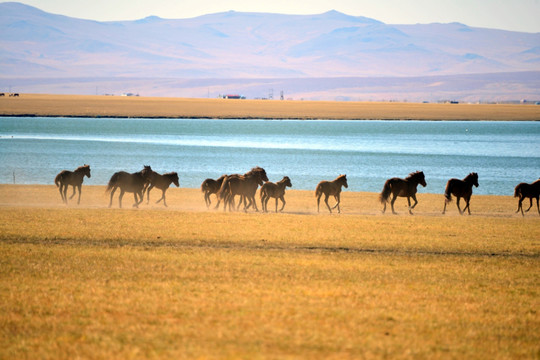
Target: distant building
x=233, y=96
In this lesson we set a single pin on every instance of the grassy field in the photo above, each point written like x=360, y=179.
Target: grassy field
x=183, y=282
x=117, y=106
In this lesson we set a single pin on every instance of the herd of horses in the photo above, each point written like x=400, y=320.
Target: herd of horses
x=227, y=187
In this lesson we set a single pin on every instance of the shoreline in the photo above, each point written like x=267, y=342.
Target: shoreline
x=98, y=106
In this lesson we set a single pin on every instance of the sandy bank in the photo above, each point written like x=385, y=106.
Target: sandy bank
x=152, y=107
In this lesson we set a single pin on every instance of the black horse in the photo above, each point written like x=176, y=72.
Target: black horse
x=402, y=187
x=133, y=183
x=531, y=191
x=74, y=178
x=460, y=189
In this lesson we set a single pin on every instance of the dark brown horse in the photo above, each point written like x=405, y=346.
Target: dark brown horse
x=403, y=188
x=162, y=182
x=531, y=191
x=244, y=185
x=460, y=189
x=331, y=188
x=211, y=186
x=275, y=190
x=127, y=182
x=74, y=178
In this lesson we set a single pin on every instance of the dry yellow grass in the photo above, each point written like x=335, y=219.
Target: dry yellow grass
x=183, y=282
x=114, y=106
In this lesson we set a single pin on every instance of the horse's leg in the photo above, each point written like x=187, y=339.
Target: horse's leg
x=326, y=201
x=459, y=208
x=318, y=201
x=530, y=204
x=537, y=207
x=112, y=193
x=394, y=197
x=207, y=199
x=148, y=188
x=283, y=201
x=120, y=198
x=61, y=190
x=415, y=202
x=276, y=204
x=65, y=193
x=444, y=210
x=338, y=199
x=72, y=195
x=468, y=201
x=254, y=202
x=163, y=197
x=136, y=204
x=79, y=200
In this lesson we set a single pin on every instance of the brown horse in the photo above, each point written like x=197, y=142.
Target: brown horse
x=460, y=189
x=133, y=183
x=275, y=190
x=162, y=182
x=331, y=188
x=244, y=185
x=211, y=186
x=403, y=188
x=74, y=178
x=531, y=191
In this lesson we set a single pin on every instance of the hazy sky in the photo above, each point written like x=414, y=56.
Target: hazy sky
x=517, y=15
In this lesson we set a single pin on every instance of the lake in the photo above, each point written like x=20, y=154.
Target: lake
x=34, y=150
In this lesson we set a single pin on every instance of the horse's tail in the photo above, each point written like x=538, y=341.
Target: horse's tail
x=318, y=190
x=112, y=182
x=204, y=186
x=448, y=191
x=223, y=189
x=58, y=179
x=517, y=190
x=386, y=191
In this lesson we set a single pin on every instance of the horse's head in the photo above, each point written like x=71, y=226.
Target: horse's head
x=175, y=180
x=86, y=169
x=343, y=180
x=419, y=175
x=260, y=171
x=474, y=178
x=146, y=171
x=287, y=181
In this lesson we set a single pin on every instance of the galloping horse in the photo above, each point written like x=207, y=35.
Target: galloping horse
x=74, y=178
x=211, y=186
x=460, y=189
x=162, y=182
x=275, y=190
x=524, y=190
x=402, y=187
x=129, y=183
x=244, y=185
x=331, y=188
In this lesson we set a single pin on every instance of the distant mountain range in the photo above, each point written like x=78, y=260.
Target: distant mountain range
x=261, y=55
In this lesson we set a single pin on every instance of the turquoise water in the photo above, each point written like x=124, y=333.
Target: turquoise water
x=369, y=152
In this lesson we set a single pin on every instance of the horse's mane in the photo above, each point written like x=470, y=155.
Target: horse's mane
x=414, y=174
x=173, y=173
x=471, y=176
x=82, y=167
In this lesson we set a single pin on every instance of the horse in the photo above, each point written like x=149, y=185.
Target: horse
x=460, y=189
x=275, y=190
x=161, y=182
x=74, y=178
x=127, y=182
x=402, y=187
x=211, y=186
x=244, y=185
x=331, y=188
x=531, y=191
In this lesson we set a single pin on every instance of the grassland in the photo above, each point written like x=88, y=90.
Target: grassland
x=183, y=282
x=148, y=107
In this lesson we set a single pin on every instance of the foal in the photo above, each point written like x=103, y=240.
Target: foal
x=211, y=186
x=331, y=188
x=74, y=178
x=275, y=190
x=531, y=191
x=162, y=182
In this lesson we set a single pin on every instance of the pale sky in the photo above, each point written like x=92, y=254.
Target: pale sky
x=516, y=15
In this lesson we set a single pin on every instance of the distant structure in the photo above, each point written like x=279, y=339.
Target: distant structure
x=281, y=97
x=233, y=96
